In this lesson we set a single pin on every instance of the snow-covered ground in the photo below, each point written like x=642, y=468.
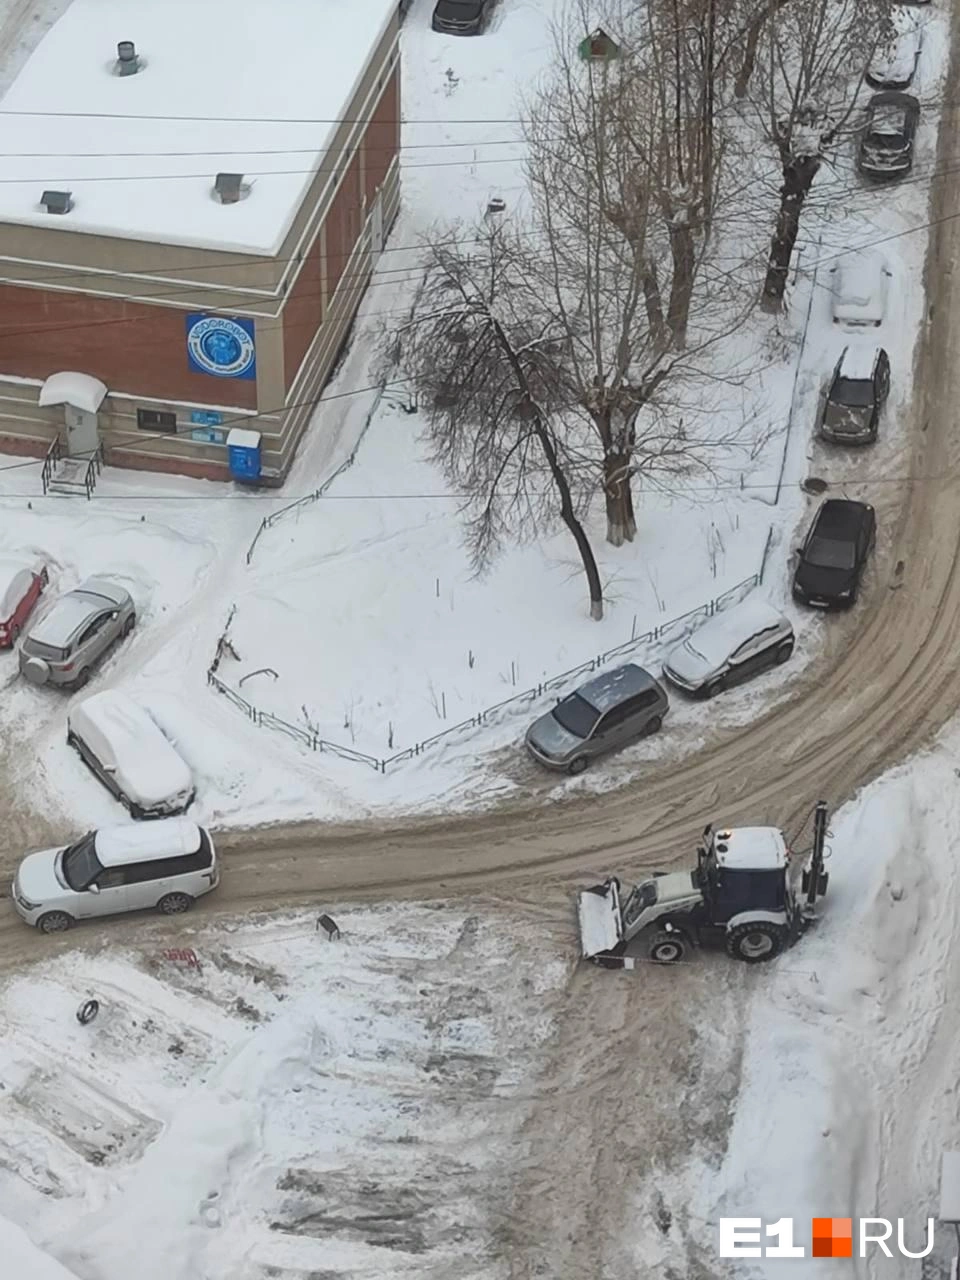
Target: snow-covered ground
x=284, y=1105
x=264, y=1102
x=358, y=619
x=849, y=1090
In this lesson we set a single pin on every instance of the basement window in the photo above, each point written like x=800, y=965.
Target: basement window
x=156, y=420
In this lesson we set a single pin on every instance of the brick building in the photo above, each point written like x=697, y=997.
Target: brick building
x=199, y=273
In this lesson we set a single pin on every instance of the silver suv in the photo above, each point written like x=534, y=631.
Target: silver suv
x=62, y=646
x=603, y=714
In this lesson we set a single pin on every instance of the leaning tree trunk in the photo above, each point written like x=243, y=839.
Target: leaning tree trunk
x=683, y=253
x=798, y=175
x=751, y=45
x=530, y=410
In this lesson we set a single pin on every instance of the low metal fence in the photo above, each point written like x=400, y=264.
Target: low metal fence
x=664, y=633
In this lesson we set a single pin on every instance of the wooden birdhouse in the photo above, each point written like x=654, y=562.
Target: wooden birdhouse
x=599, y=47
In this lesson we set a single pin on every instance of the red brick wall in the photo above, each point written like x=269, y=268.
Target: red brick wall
x=302, y=313
x=381, y=141
x=129, y=346
x=343, y=224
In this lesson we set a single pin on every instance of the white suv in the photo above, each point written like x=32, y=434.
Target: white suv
x=160, y=865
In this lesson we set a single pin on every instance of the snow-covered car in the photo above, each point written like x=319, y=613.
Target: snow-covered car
x=894, y=64
x=886, y=143
x=64, y=645
x=126, y=749
x=731, y=647
x=856, y=396
x=21, y=585
x=859, y=285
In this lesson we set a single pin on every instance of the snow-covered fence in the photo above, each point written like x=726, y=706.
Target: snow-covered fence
x=666, y=633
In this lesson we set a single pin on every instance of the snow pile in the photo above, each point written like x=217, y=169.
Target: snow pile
x=23, y=1260
x=848, y=1093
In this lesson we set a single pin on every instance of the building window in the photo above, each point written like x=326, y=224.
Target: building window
x=156, y=420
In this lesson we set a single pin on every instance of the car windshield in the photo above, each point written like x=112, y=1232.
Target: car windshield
x=855, y=392
x=576, y=715
x=80, y=864
x=824, y=553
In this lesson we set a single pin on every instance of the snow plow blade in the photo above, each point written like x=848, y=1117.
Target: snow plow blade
x=601, y=924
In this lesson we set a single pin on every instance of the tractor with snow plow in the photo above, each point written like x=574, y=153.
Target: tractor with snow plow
x=748, y=892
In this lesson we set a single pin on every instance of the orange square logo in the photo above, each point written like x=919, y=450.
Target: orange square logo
x=832, y=1237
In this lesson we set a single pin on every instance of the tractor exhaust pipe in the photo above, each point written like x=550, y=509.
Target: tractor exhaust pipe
x=814, y=876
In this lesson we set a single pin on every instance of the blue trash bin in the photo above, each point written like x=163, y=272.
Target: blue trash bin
x=243, y=452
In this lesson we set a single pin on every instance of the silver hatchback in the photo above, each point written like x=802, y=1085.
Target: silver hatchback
x=607, y=712
x=61, y=647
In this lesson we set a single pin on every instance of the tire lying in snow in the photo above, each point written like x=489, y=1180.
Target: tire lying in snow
x=754, y=943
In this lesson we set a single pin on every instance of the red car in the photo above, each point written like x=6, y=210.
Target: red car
x=20, y=587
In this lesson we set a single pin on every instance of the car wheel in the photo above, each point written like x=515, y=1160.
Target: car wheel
x=54, y=922
x=135, y=811
x=130, y=623
x=755, y=943
x=174, y=904
x=715, y=687
x=784, y=652
x=666, y=948
x=82, y=678
x=577, y=765
x=653, y=726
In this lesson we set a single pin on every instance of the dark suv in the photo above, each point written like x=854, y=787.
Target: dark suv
x=858, y=392
x=831, y=561
x=460, y=17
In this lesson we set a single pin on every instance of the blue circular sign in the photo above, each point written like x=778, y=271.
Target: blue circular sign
x=221, y=347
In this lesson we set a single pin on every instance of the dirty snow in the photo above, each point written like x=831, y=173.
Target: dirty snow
x=264, y=1098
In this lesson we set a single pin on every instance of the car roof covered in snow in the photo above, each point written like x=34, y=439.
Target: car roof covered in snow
x=726, y=631
x=12, y=580
x=858, y=360
x=149, y=764
x=750, y=848
x=611, y=688
x=147, y=841
x=858, y=276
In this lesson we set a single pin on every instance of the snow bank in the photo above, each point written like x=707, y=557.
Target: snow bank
x=22, y=1260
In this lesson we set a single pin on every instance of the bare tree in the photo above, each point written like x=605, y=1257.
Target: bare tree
x=815, y=55
x=483, y=363
x=624, y=168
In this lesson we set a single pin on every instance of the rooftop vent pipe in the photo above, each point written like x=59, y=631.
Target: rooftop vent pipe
x=128, y=64
x=228, y=187
x=57, y=201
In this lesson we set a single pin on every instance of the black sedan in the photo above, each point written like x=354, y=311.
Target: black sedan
x=460, y=17
x=831, y=561
x=886, y=143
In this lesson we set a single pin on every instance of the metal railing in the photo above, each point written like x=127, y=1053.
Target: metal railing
x=86, y=484
x=668, y=632
x=50, y=461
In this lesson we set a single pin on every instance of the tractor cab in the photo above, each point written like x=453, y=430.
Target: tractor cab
x=744, y=869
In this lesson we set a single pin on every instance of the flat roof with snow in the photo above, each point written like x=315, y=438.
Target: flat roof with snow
x=276, y=74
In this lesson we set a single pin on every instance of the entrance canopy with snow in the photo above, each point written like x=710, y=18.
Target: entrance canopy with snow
x=77, y=389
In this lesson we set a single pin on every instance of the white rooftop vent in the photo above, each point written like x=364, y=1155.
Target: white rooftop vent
x=229, y=188
x=57, y=201
x=128, y=64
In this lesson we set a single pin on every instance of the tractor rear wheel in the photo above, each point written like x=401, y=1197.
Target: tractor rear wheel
x=667, y=948
x=754, y=943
